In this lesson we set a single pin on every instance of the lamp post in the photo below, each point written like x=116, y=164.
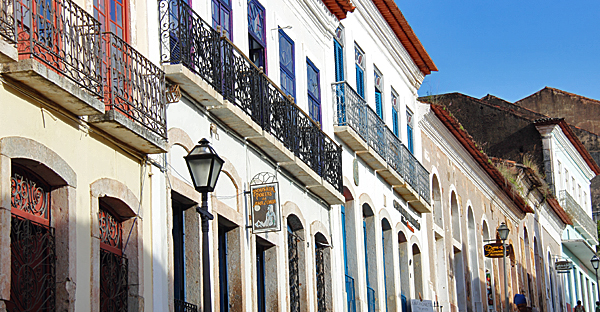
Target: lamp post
x=503, y=231
x=595, y=261
x=204, y=165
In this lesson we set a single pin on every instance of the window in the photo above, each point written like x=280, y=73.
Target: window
x=178, y=251
x=395, y=128
x=114, y=285
x=338, y=48
x=32, y=244
x=223, y=280
x=378, y=90
x=112, y=14
x=286, y=64
x=409, y=130
x=221, y=16
x=256, y=33
x=314, y=92
x=359, y=58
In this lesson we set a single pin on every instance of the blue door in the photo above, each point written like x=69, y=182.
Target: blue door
x=339, y=61
x=221, y=16
x=314, y=92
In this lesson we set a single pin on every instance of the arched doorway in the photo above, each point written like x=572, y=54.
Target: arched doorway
x=473, y=262
x=370, y=256
x=388, y=265
x=418, y=271
x=404, y=271
x=296, y=263
x=489, y=272
x=459, y=273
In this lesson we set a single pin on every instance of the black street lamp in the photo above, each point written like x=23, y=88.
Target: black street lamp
x=595, y=261
x=503, y=231
x=204, y=165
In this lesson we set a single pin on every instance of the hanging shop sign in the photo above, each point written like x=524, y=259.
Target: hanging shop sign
x=266, y=214
x=494, y=250
x=406, y=218
x=564, y=266
x=417, y=305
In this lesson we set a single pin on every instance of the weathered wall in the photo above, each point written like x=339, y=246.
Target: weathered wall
x=577, y=110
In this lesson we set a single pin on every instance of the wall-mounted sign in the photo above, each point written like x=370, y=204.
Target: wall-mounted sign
x=494, y=250
x=407, y=218
x=266, y=215
x=564, y=266
x=417, y=305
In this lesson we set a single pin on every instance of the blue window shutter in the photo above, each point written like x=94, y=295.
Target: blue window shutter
x=344, y=239
x=360, y=81
x=286, y=64
x=339, y=61
x=378, y=104
x=216, y=13
x=409, y=133
x=366, y=251
x=314, y=91
x=395, y=121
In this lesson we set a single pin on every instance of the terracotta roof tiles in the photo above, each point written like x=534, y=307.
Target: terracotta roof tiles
x=339, y=8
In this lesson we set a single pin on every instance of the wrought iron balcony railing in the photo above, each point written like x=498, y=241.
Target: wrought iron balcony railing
x=61, y=35
x=186, y=39
x=133, y=85
x=578, y=215
x=353, y=111
x=8, y=27
x=182, y=306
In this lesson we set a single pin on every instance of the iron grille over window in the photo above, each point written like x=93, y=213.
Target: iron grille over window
x=182, y=306
x=33, y=249
x=321, y=301
x=33, y=260
x=114, y=286
x=294, y=279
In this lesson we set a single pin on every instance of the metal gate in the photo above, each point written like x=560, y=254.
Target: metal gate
x=294, y=278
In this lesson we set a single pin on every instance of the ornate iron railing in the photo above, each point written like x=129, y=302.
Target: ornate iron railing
x=8, y=27
x=579, y=216
x=182, y=306
x=294, y=280
x=64, y=37
x=186, y=39
x=33, y=267
x=353, y=111
x=321, y=295
x=370, y=299
x=350, y=294
x=134, y=86
x=114, y=285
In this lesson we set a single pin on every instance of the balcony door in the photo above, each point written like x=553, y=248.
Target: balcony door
x=112, y=14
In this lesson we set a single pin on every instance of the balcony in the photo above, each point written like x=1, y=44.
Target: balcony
x=62, y=56
x=8, y=32
x=57, y=40
x=134, y=97
x=581, y=220
x=213, y=71
x=366, y=134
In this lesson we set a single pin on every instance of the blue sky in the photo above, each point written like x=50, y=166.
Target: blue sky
x=508, y=48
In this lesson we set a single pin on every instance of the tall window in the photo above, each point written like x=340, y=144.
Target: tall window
x=112, y=14
x=223, y=280
x=359, y=59
x=221, y=16
x=260, y=278
x=350, y=295
x=409, y=130
x=314, y=91
x=256, y=33
x=286, y=64
x=338, y=48
x=32, y=244
x=378, y=89
x=178, y=251
x=395, y=128
x=113, y=264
